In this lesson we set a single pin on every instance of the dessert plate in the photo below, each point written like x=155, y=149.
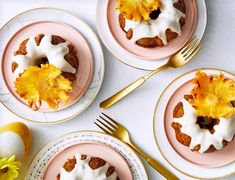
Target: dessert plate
x=157, y=53
x=85, y=69
x=133, y=59
x=49, y=159
x=51, y=14
x=208, y=165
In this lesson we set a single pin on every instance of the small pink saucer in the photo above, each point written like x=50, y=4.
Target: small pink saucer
x=85, y=70
x=152, y=53
x=93, y=149
x=210, y=160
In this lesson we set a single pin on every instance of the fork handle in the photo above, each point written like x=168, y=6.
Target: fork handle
x=154, y=163
x=161, y=169
x=122, y=93
x=128, y=89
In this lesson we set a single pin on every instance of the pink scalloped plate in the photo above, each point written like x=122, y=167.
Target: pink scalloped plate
x=93, y=149
x=85, y=70
x=210, y=160
x=157, y=53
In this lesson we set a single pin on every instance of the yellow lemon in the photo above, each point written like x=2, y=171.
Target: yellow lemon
x=15, y=139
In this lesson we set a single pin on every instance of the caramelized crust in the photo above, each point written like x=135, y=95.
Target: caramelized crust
x=122, y=23
x=96, y=163
x=14, y=65
x=178, y=111
x=180, y=6
x=150, y=42
x=70, y=164
x=181, y=137
x=71, y=57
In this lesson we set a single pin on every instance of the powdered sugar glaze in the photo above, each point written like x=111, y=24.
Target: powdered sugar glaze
x=54, y=53
x=225, y=130
x=168, y=19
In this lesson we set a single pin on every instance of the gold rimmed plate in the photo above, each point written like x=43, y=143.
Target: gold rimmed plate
x=124, y=55
x=53, y=15
x=157, y=53
x=208, y=165
x=81, y=141
x=84, y=54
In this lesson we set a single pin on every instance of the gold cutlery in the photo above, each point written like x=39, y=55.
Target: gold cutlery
x=112, y=127
x=177, y=60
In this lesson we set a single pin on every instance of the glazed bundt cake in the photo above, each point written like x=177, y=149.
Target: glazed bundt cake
x=164, y=25
x=201, y=134
x=46, y=49
x=84, y=167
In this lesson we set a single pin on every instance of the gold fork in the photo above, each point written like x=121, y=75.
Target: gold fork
x=177, y=60
x=115, y=129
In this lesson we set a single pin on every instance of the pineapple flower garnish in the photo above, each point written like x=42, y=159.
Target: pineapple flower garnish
x=47, y=84
x=137, y=10
x=212, y=95
x=9, y=168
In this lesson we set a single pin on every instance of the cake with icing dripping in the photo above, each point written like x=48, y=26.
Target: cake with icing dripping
x=163, y=25
x=46, y=49
x=204, y=120
x=84, y=167
x=201, y=134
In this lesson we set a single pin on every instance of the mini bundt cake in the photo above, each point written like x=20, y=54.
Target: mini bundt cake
x=165, y=25
x=201, y=134
x=44, y=49
x=87, y=167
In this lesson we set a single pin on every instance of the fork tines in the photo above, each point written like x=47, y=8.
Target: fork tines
x=191, y=49
x=107, y=124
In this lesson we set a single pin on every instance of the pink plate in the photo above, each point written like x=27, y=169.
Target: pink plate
x=93, y=149
x=213, y=159
x=153, y=53
x=85, y=70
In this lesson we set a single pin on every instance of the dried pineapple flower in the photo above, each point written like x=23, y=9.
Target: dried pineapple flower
x=47, y=84
x=137, y=10
x=212, y=95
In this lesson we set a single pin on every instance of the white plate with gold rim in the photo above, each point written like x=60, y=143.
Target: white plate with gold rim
x=125, y=56
x=52, y=14
x=44, y=157
x=220, y=163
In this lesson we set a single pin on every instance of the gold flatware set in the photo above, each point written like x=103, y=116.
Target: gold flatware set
x=112, y=127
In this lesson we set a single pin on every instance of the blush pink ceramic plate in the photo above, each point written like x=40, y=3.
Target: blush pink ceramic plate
x=153, y=53
x=207, y=165
x=213, y=159
x=47, y=163
x=85, y=70
x=92, y=149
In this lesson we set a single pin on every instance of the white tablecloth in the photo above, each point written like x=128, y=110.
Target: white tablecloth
x=136, y=111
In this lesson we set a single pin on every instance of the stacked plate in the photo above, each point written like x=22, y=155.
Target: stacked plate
x=89, y=76
x=144, y=58
x=49, y=161
x=216, y=164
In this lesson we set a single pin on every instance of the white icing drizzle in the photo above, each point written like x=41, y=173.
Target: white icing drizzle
x=169, y=18
x=54, y=53
x=225, y=130
x=82, y=171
